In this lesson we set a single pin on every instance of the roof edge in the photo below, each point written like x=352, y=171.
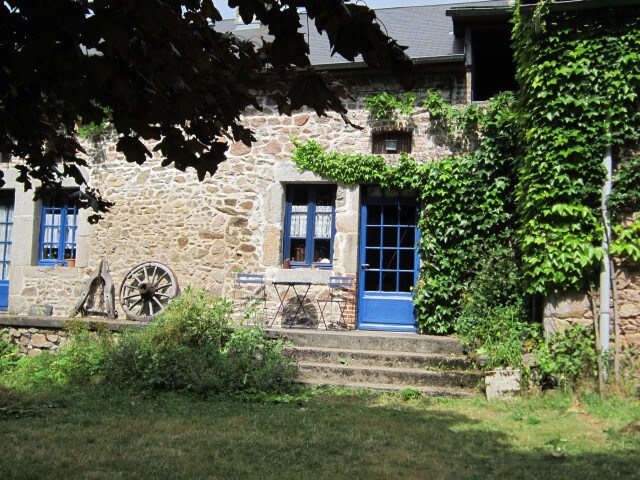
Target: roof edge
x=462, y=13
x=453, y=58
x=568, y=5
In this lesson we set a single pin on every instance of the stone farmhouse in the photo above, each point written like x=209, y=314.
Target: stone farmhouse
x=259, y=212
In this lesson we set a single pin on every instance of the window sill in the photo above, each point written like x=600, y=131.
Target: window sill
x=314, y=266
x=318, y=276
x=46, y=263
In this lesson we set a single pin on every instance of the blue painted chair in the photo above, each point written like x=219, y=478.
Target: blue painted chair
x=251, y=293
x=341, y=293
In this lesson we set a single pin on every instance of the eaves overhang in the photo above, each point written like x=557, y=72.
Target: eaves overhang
x=569, y=5
x=467, y=16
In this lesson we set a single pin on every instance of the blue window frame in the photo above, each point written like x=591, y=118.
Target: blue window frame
x=6, y=225
x=58, y=229
x=310, y=225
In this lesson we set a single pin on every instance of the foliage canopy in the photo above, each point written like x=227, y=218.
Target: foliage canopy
x=166, y=74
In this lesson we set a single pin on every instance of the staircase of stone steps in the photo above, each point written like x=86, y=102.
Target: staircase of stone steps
x=382, y=361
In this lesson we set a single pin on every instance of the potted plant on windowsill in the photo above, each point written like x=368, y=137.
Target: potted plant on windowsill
x=71, y=262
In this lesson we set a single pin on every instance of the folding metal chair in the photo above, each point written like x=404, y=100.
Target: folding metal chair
x=341, y=290
x=253, y=291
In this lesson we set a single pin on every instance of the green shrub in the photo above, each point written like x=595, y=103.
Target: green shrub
x=8, y=351
x=257, y=364
x=190, y=347
x=494, y=318
x=32, y=373
x=500, y=332
x=84, y=359
x=568, y=356
x=193, y=319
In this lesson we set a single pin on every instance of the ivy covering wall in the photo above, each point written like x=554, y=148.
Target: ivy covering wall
x=579, y=78
x=467, y=203
x=533, y=184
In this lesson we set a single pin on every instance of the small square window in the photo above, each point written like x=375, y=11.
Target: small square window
x=391, y=142
x=310, y=225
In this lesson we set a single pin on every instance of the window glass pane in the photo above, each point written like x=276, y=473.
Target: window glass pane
x=70, y=250
x=9, y=231
x=374, y=214
x=3, y=232
x=391, y=193
x=324, y=196
x=299, y=221
x=323, y=221
x=298, y=250
x=372, y=258
x=390, y=237
x=389, y=281
x=373, y=191
x=407, y=237
x=50, y=252
x=373, y=237
x=407, y=215
x=371, y=281
x=391, y=215
x=56, y=217
x=407, y=260
x=408, y=193
x=322, y=252
x=299, y=196
x=71, y=218
x=71, y=235
x=390, y=259
x=406, y=281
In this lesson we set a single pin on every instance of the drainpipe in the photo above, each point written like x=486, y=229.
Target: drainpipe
x=605, y=268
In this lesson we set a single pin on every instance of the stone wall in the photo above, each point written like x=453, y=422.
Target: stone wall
x=231, y=221
x=562, y=311
x=35, y=340
x=35, y=334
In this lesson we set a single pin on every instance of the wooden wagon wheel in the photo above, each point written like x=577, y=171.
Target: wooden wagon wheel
x=146, y=290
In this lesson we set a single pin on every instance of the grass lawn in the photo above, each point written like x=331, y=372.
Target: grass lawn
x=94, y=435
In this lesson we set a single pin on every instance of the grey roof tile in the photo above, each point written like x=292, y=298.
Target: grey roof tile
x=426, y=30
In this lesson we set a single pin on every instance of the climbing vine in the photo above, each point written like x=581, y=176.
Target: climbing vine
x=624, y=203
x=532, y=182
x=466, y=206
x=579, y=77
x=384, y=106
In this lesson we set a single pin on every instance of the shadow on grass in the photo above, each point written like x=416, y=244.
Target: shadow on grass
x=169, y=436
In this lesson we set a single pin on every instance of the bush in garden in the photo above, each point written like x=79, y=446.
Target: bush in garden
x=190, y=347
x=494, y=317
x=569, y=356
x=8, y=351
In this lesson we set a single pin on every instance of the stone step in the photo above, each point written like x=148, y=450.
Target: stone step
x=383, y=387
x=342, y=356
x=414, y=377
x=363, y=340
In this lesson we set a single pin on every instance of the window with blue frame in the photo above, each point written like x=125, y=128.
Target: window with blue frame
x=58, y=229
x=310, y=225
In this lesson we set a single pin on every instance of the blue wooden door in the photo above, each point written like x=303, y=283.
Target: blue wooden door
x=388, y=261
x=6, y=224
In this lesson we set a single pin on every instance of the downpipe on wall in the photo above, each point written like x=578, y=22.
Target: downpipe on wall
x=605, y=267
